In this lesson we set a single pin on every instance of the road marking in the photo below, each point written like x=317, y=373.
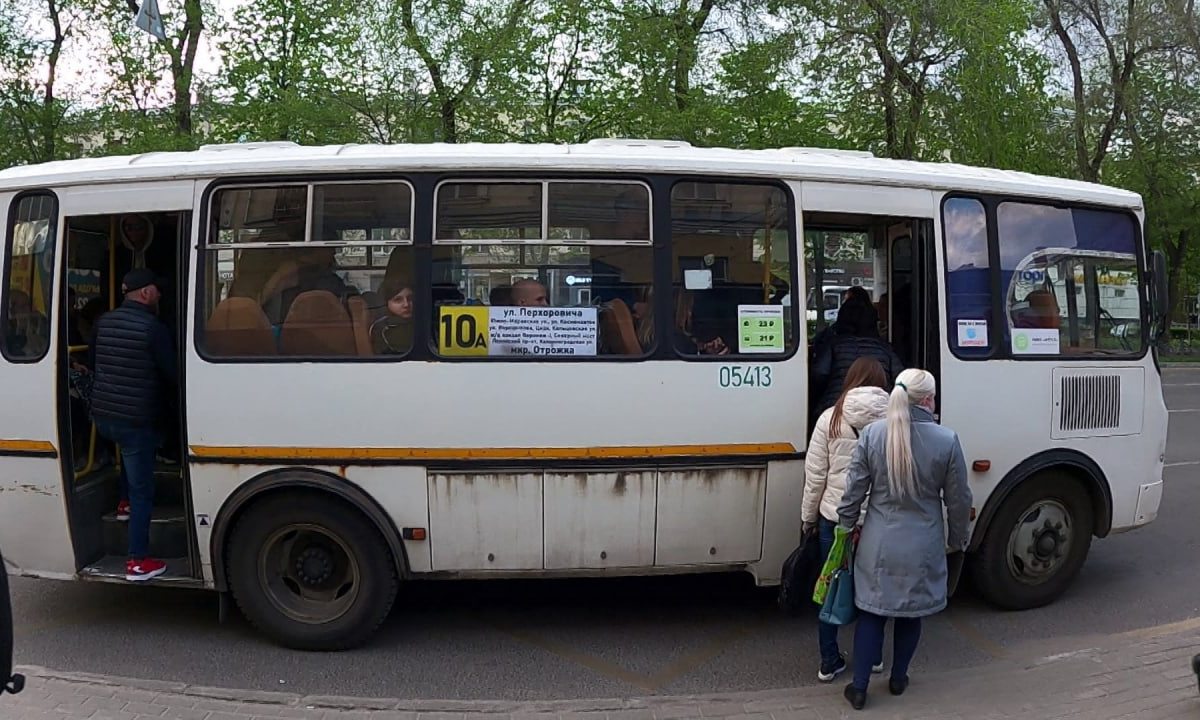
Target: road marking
x=982, y=642
x=649, y=683
x=595, y=664
x=1155, y=631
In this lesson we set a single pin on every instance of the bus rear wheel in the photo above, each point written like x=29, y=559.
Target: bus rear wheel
x=1036, y=544
x=311, y=573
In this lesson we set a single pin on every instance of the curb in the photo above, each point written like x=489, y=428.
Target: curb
x=756, y=700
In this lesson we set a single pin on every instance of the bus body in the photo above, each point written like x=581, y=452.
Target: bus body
x=648, y=415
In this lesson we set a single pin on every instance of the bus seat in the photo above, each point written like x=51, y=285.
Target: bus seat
x=360, y=321
x=238, y=328
x=616, y=326
x=317, y=325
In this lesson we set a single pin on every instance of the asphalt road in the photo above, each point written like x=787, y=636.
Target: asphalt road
x=606, y=638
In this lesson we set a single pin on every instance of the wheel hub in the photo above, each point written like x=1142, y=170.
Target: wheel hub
x=1039, y=542
x=314, y=566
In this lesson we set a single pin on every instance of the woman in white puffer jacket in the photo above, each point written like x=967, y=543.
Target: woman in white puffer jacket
x=864, y=400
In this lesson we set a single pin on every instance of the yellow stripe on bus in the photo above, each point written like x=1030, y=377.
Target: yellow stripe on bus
x=39, y=446
x=578, y=453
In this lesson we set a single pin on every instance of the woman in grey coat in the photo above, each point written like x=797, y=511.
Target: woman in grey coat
x=906, y=468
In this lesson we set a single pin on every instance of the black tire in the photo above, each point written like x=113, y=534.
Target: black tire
x=1013, y=568
x=311, y=572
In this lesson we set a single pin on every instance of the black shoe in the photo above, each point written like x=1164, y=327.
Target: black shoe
x=898, y=686
x=829, y=671
x=857, y=698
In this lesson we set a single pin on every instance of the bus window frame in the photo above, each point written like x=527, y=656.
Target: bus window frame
x=207, y=242
x=664, y=307
x=10, y=223
x=999, y=292
x=423, y=185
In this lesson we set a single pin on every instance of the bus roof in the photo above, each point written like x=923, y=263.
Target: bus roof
x=812, y=164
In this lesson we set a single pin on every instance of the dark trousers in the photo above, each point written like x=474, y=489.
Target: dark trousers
x=868, y=644
x=827, y=635
x=138, y=447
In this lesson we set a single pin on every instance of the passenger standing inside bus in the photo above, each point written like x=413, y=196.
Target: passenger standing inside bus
x=863, y=401
x=911, y=467
x=134, y=364
x=855, y=335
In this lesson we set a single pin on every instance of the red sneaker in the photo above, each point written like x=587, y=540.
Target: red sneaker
x=144, y=569
x=123, y=510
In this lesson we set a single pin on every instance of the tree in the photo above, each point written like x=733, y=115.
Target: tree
x=283, y=60
x=1126, y=33
x=457, y=42
x=33, y=109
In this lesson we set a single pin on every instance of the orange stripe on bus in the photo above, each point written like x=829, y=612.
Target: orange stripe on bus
x=343, y=453
x=27, y=446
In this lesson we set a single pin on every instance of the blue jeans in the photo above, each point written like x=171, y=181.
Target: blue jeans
x=138, y=447
x=827, y=635
x=868, y=643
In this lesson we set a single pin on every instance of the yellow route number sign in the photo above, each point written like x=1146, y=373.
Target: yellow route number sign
x=463, y=331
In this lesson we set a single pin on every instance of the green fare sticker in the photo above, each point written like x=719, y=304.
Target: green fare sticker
x=760, y=329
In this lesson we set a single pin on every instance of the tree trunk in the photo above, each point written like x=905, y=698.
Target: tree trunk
x=449, y=121
x=1176, y=252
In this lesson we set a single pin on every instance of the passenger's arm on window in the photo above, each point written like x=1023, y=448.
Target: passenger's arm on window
x=956, y=494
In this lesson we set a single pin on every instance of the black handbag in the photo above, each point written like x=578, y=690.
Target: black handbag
x=799, y=575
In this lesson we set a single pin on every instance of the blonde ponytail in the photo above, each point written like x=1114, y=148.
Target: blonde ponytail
x=912, y=387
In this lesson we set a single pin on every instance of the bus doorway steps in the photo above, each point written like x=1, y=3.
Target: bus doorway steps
x=168, y=533
x=112, y=568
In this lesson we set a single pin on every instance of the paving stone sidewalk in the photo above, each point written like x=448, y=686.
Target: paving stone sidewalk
x=1124, y=677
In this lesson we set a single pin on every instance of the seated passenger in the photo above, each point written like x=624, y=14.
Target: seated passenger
x=312, y=269
x=1042, y=312
x=684, y=336
x=529, y=293
x=393, y=333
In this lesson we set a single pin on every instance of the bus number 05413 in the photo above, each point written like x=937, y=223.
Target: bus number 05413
x=733, y=376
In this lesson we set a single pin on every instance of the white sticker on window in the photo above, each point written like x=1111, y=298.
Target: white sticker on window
x=760, y=329
x=697, y=279
x=1034, y=342
x=972, y=333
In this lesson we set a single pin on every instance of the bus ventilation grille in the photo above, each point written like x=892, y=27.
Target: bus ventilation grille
x=1090, y=402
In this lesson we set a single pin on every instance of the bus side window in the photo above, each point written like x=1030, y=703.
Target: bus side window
x=29, y=270
x=732, y=248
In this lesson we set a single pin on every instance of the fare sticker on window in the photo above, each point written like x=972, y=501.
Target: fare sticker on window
x=760, y=329
x=972, y=333
x=1034, y=342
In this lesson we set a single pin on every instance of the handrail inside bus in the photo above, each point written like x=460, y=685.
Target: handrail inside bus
x=91, y=462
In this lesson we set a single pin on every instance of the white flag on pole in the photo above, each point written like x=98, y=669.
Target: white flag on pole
x=149, y=19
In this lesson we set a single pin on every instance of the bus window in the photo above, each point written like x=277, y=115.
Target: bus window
x=29, y=270
x=731, y=267
x=968, y=277
x=542, y=269
x=333, y=280
x=1072, y=280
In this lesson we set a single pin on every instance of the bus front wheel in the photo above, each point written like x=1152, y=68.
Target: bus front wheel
x=1036, y=543
x=311, y=573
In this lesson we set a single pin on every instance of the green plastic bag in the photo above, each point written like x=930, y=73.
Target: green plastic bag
x=836, y=559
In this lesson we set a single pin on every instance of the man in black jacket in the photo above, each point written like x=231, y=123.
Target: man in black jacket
x=134, y=365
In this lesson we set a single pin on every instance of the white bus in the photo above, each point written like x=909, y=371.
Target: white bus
x=646, y=415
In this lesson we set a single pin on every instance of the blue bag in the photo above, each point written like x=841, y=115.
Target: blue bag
x=838, y=608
